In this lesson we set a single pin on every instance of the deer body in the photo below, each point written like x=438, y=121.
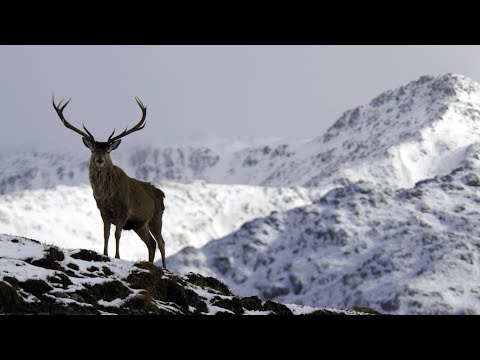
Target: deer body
x=127, y=203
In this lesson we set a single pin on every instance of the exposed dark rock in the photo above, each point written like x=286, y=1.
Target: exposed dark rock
x=10, y=301
x=471, y=180
x=12, y=281
x=52, y=255
x=324, y=312
x=109, y=291
x=366, y=310
x=142, y=304
x=277, y=308
x=210, y=282
x=89, y=255
x=252, y=303
x=35, y=287
x=107, y=271
x=60, y=279
x=84, y=296
x=234, y=304
x=73, y=266
x=170, y=290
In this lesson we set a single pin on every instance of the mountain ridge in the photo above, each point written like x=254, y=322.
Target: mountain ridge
x=416, y=131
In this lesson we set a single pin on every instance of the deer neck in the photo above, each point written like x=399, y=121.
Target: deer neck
x=103, y=181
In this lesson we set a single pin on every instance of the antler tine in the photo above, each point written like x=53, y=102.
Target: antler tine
x=139, y=126
x=64, y=105
x=59, y=109
x=88, y=132
x=139, y=102
x=113, y=132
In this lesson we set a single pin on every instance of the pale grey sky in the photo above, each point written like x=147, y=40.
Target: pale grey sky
x=195, y=91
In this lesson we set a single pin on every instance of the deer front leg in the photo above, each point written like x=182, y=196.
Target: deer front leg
x=118, y=233
x=106, y=235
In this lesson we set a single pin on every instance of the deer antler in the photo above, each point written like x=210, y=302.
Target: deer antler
x=140, y=125
x=59, y=109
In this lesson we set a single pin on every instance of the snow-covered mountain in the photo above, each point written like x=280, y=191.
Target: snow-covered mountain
x=196, y=213
x=417, y=131
x=407, y=251
x=41, y=279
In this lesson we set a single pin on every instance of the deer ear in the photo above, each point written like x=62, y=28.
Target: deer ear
x=114, y=145
x=87, y=143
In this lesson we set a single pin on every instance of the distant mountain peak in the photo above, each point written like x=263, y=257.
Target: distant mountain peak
x=431, y=92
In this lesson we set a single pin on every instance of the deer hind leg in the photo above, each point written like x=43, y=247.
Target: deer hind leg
x=144, y=234
x=155, y=227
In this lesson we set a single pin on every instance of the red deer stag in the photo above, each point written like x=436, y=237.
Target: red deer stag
x=127, y=203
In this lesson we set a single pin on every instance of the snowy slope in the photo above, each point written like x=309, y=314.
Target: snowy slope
x=196, y=213
x=407, y=251
x=417, y=131
x=41, y=279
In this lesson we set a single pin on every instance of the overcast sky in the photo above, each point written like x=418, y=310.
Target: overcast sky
x=198, y=91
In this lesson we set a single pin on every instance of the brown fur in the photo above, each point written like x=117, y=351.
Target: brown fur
x=127, y=203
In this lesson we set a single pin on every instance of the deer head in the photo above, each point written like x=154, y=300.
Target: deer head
x=100, y=150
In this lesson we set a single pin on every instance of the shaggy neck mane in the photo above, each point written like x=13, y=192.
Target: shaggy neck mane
x=103, y=181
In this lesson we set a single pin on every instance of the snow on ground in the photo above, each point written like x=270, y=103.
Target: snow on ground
x=42, y=279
